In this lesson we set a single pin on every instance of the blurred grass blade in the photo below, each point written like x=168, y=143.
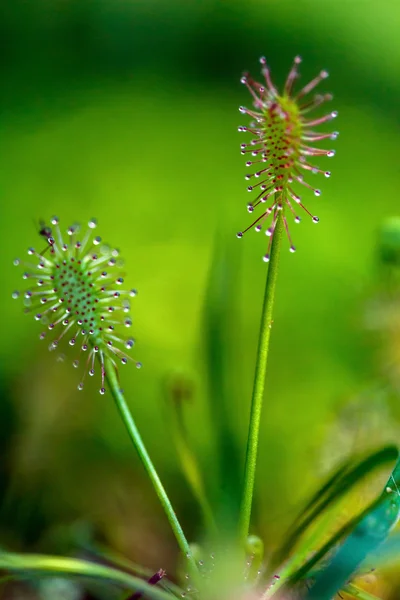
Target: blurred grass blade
x=362, y=536
x=99, y=552
x=115, y=559
x=321, y=493
x=356, y=592
x=316, y=519
x=300, y=525
x=33, y=566
x=179, y=393
x=220, y=333
x=387, y=555
x=345, y=478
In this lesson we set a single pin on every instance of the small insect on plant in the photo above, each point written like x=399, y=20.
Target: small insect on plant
x=46, y=233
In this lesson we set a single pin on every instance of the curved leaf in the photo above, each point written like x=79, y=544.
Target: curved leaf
x=26, y=566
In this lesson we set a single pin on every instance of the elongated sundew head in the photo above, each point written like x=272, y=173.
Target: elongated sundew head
x=77, y=290
x=280, y=148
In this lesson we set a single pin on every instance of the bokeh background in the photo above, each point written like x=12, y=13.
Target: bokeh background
x=128, y=111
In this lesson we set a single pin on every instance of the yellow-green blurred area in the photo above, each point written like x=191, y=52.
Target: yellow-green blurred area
x=128, y=111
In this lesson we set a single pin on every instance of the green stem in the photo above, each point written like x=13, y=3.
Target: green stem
x=135, y=436
x=259, y=383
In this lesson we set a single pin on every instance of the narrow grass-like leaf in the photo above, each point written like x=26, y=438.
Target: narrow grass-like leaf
x=318, y=497
x=219, y=327
x=290, y=576
x=345, y=478
x=364, y=534
x=107, y=556
x=315, y=520
x=114, y=559
x=387, y=555
x=33, y=566
x=187, y=457
x=358, y=593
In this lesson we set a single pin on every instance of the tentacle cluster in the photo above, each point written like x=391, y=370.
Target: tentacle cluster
x=76, y=289
x=282, y=141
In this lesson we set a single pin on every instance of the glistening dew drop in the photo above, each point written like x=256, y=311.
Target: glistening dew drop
x=77, y=292
x=282, y=144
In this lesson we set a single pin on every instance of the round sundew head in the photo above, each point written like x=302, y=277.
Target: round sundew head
x=75, y=283
x=78, y=295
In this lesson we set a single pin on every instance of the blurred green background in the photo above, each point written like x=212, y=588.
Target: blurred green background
x=128, y=111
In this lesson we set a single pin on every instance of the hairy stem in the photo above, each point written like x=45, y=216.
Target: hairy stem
x=135, y=436
x=259, y=383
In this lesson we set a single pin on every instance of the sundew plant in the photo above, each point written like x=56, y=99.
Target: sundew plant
x=74, y=289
